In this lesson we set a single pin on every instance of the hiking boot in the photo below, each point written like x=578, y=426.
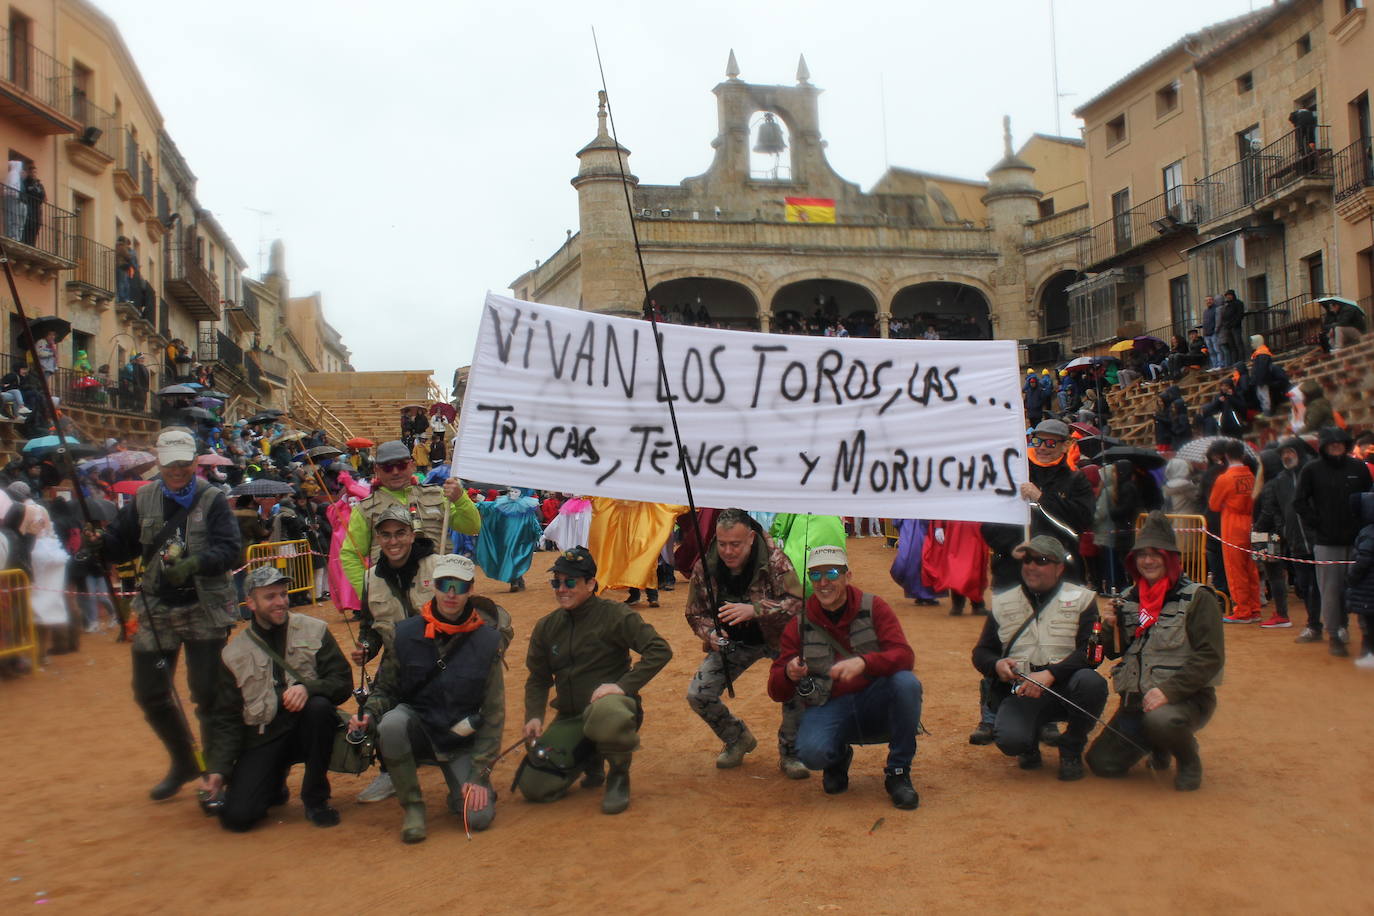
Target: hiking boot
x=1189, y=775
x=1276, y=623
x=835, y=778
x=1309, y=634
x=617, y=796
x=1049, y=734
x=1030, y=760
x=793, y=768
x=180, y=774
x=595, y=773
x=733, y=753
x=979, y=609
x=982, y=734
x=325, y=815
x=897, y=782
x=1338, y=649
x=1070, y=767
x=379, y=789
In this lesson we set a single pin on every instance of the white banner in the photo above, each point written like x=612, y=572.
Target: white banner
x=568, y=400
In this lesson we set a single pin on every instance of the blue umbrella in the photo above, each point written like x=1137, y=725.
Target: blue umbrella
x=437, y=474
x=48, y=442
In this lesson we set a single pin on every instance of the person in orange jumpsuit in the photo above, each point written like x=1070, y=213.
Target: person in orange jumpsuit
x=1233, y=495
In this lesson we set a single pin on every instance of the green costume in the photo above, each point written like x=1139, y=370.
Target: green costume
x=800, y=533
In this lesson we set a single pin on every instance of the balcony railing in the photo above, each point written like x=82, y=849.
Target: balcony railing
x=92, y=118
x=1354, y=167
x=274, y=368
x=228, y=352
x=1294, y=157
x=1178, y=209
x=146, y=186
x=192, y=285
x=130, y=164
x=250, y=305
x=1057, y=226
x=36, y=87
x=40, y=226
x=95, y=267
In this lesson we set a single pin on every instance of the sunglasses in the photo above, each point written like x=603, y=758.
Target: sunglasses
x=1038, y=442
x=1033, y=560
x=568, y=582
x=829, y=575
x=453, y=586
x=392, y=467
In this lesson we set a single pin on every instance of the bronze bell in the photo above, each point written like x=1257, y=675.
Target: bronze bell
x=770, y=136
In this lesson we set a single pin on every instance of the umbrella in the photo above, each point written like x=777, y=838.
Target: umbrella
x=1341, y=300
x=1146, y=341
x=437, y=474
x=1143, y=458
x=291, y=435
x=323, y=451
x=129, y=487
x=261, y=487
x=1196, y=450
x=41, y=442
x=409, y=406
x=197, y=413
x=273, y=412
x=1081, y=362
x=101, y=510
x=173, y=390
x=448, y=410
x=41, y=326
x=196, y=386
x=1103, y=360
x=1086, y=429
x=203, y=401
x=360, y=442
x=213, y=461
x=1120, y=345
x=119, y=461
x=212, y=393
x=263, y=417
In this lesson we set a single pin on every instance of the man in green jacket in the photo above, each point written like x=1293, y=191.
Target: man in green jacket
x=280, y=682
x=582, y=650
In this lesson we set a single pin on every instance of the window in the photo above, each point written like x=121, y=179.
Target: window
x=1248, y=141
x=1046, y=205
x=1305, y=45
x=1116, y=130
x=1173, y=184
x=1166, y=99
x=1180, y=308
x=1307, y=101
x=1245, y=82
x=1121, y=218
x=19, y=70
x=1350, y=6
x=1316, y=278
x=82, y=82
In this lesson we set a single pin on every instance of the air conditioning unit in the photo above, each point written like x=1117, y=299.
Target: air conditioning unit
x=646, y=213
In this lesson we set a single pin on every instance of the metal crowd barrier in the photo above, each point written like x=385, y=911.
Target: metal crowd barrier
x=292, y=557
x=18, y=635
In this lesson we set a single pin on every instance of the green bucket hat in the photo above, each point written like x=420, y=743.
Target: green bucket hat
x=1157, y=532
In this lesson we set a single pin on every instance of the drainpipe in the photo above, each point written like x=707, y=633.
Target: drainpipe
x=1201, y=108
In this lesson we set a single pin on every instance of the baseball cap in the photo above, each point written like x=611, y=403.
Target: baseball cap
x=827, y=556
x=1052, y=428
x=175, y=443
x=263, y=576
x=454, y=566
x=575, y=562
x=1042, y=545
x=393, y=513
x=395, y=450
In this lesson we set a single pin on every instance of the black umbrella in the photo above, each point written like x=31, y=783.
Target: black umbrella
x=41, y=326
x=197, y=413
x=102, y=510
x=261, y=487
x=173, y=390
x=323, y=451
x=273, y=412
x=264, y=417
x=1143, y=458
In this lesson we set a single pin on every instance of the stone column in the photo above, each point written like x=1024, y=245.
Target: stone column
x=884, y=318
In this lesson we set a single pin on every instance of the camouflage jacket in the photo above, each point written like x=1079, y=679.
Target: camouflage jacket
x=775, y=592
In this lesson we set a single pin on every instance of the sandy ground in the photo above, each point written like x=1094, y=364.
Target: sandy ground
x=1282, y=824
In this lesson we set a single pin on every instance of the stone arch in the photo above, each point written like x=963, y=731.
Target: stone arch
x=958, y=310
x=728, y=303
x=809, y=304
x=1052, y=302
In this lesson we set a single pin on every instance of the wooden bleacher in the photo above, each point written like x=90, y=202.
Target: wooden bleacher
x=369, y=403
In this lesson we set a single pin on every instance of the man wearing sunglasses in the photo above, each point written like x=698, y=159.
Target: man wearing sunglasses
x=845, y=656
x=394, y=485
x=582, y=650
x=440, y=698
x=1040, y=629
x=756, y=593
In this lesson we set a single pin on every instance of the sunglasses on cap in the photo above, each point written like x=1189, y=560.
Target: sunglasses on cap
x=1042, y=442
x=392, y=467
x=1032, y=559
x=830, y=575
x=565, y=582
x=453, y=585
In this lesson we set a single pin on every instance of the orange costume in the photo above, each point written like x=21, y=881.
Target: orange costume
x=1233, y=496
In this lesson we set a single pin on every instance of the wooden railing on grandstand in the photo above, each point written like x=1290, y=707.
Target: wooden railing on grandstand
x=308, y=410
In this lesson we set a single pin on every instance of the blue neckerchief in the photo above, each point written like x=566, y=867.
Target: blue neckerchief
x=183, y=497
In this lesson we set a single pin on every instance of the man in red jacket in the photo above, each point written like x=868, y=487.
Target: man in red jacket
x=850, y=663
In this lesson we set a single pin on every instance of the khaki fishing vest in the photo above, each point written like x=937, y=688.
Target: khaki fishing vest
x=1048, y=639
x=1153, y=659
x=216, y=592
x=426, y=505
x=387, y=609
x=252, y=668
x=819, y=654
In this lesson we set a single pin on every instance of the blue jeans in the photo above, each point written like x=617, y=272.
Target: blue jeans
x=890, y=706
x=1214, y=354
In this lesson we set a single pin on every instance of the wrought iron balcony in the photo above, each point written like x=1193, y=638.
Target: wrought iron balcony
x=35, y=88
x=96, y=145
x=1268, y=176
x=37, y=234
x=1354, y=167
x=187, y=280
x=95, y=268
x=1177, y=210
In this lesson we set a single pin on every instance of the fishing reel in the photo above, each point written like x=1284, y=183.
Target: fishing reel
x=211, y=803
x=806, y=686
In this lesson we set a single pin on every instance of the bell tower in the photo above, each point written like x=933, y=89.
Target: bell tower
x=610, y=276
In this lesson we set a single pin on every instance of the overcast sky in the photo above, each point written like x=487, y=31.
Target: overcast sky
x=413, y=155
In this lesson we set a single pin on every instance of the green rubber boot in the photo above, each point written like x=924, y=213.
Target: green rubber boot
x=407, y=782
x=617, y=796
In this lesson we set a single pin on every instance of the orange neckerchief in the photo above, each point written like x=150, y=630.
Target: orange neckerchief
x=1262, y=351
x=435, y=625
x=1030, y=454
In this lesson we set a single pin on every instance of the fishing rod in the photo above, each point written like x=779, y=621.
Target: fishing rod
x=721, y=629
x=1070, y=703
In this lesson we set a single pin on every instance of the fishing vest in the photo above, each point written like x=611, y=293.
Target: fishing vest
x=1155, y=657
x=426, y=505
x=820, y=653
x=457, y=691
x=252, y=668
x=214, y=592
x=1051, y=636
x=387, y=607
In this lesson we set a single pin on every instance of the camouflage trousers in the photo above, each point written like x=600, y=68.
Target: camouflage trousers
x=704, y=693
x=202, y=634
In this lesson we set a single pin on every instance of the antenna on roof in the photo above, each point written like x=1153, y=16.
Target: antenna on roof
x=1054, y=64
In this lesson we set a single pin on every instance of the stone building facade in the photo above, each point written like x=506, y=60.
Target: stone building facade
x=976, y=259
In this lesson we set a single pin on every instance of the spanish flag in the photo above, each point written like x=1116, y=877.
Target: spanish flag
x=810, y=209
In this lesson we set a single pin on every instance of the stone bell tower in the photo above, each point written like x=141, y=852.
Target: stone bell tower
x=610, y=275
x=1012, y=201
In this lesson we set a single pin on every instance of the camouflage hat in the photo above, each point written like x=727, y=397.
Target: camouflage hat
x=393, y=513
x=263, y=576
x=575, y=562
